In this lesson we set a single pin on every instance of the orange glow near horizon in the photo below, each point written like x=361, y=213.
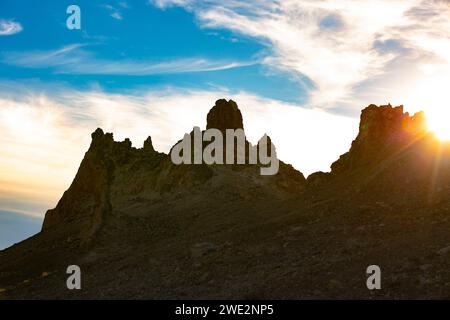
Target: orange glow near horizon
x=440, y=128
x=439, y=124
x=430, y=94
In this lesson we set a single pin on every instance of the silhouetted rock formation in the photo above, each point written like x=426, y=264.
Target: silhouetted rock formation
x=224, y=115
x=148, y=145
x=113, y=173
x=87, y=201
x=141, y=227
x=382, y=131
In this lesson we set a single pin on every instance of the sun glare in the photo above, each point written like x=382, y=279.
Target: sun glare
x=439, y=123
x=431, y=95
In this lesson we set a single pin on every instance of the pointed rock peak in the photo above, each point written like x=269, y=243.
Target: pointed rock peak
x=127, y=143
x=99, y=137
x=97, y=134
x=224, y=115
x=265, y=136
x=266, y=139
x=148, y=145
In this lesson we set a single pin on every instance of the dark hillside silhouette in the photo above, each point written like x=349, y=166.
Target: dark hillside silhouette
x=140, y=226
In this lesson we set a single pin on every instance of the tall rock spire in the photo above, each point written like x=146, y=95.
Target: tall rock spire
x=224, y=115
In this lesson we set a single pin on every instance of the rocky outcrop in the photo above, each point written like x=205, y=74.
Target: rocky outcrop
x=148, y=145
x=114, y=175
x=224, y=115
x=83, y=207
x=383, y=131
x=394, y=157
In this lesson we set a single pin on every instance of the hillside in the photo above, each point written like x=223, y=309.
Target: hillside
x=140, y=226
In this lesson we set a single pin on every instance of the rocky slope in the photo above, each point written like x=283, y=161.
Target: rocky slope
x=141, y=227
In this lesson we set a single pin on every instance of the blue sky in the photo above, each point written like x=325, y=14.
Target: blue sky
x=16, y=227
x=300, y=71
x=118, y=39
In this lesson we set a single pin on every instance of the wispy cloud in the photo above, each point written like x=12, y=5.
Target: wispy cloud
x=117, y=15
x=74, y=59
x=124, y=4
x=115, y=12
x=344, y=46
x=9, y=27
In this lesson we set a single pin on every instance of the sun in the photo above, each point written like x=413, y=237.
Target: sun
x=431, y=94
x=438, y=122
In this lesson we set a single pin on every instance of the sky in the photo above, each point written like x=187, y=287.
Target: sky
x=300, y=71
x=17, y=227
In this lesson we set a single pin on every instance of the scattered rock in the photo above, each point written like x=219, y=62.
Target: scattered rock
x=444, y=251
x=202, y=249
x=424, y=281
x=295, y=229
x=334, y=284
x=426, y=267
x=204, y=277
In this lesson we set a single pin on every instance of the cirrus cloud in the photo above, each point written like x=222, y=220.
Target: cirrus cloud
x=72, y=59
x=347, y=48
x=9, y=27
